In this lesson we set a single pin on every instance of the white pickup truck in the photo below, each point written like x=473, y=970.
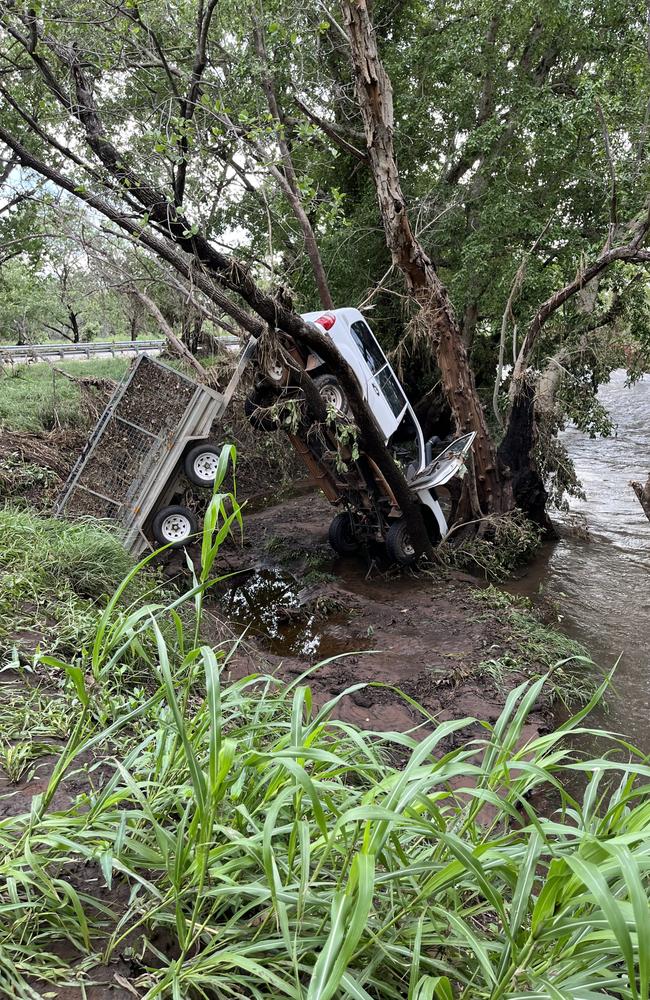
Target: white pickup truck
x=427, y=467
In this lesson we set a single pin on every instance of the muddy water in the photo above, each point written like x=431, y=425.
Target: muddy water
x=602, y=582
x=289, y=618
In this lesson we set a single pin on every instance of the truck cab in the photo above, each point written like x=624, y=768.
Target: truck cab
x=354, y=485
x=379, y=384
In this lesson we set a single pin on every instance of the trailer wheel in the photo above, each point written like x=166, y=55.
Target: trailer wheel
x=174, y=526
x=341, y=535
x=201, y=464
x=398, y=544
x=332, y=394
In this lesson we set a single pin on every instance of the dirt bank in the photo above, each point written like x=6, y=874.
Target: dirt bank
x=433, y=637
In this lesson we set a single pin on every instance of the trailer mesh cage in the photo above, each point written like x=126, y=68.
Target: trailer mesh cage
x=135, y=432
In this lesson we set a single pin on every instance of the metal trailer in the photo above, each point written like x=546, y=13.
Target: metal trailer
x=133, y=460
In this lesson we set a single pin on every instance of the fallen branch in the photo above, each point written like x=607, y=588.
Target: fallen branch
x=88, y=381
x=176, y=345
x=643, y=495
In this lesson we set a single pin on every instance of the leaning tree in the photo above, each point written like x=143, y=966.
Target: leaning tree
x=504, y=149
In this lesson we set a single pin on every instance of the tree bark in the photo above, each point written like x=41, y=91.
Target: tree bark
x=436, y=319
x=643, y=496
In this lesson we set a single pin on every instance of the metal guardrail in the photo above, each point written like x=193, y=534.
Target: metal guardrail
x=92, y=347
x=117, y=348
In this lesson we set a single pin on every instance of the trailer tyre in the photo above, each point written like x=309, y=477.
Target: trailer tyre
x=201, y=464
x=174, y=526
x=398, y=544
x=341, y=535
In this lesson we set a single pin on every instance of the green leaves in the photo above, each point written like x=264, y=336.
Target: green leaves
x=286, y=854
x=348, y=918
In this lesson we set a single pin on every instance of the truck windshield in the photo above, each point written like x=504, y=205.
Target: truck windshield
x=370, y=349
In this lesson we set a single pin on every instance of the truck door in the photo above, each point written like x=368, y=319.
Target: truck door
x=387, y=395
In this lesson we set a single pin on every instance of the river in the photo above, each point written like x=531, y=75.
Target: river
x=602, y=582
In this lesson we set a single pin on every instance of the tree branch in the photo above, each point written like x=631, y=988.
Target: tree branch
x=631, y=253
x=331, y=132
x=177, y=346
x=288, y=174
x=613, y=211
x=189, y=102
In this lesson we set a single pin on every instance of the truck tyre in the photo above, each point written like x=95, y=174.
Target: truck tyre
x=341, y=535
x=174, y=526
x=255, y=406
x=201, y=463
x=398, y=544
x=332, y=394
x=277, y=375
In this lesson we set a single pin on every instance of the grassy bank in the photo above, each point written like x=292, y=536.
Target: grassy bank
x=54, y=577
x=233, y=841
x=525, y=640
x=37, y=398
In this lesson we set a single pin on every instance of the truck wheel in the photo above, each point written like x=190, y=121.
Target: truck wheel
x=341, y=535
x=174, y=526
x=277, y=375
x=201, y=463
x=332, y=394
x=398, y=544
x=255, y=406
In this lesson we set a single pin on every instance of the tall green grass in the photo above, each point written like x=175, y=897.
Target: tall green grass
x=257, y=847
x=53, y=575
x=36, y=398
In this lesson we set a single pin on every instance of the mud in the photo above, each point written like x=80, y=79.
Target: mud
x=423, y=636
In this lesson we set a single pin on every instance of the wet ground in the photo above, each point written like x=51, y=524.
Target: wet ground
x=424, y=636
x=429, y=637
x=302, y=608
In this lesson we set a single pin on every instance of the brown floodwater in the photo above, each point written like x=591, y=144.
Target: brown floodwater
x=602, y=582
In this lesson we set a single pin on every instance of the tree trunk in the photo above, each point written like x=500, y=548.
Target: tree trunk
x=74, y=326
x=436, y=319
x=516, y=455
x=643, y=496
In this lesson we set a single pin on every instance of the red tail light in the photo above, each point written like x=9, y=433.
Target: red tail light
x=327, y=321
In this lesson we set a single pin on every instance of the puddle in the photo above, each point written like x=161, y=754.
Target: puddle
x=289, y=619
